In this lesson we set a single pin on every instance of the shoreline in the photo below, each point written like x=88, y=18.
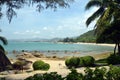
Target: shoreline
x=56, y=65
x=99, y=44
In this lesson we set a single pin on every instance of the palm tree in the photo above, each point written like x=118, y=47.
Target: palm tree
x=108, y=18
x=4, y=61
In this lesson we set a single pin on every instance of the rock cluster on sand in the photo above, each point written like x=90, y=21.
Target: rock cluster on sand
x=25, y=55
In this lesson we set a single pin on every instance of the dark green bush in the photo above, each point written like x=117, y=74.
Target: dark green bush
x=2, y=78
x=101, y=73
x=74, y=75
x=87, y=61
x=81, y=63
x=52, y=76
x=67, y=62
x=40, y=65
x=46, y=66
x=72, y=62
x=46, y=76
x=97, y=74
x=113, y=73
x=113, y=59
x=35, y=77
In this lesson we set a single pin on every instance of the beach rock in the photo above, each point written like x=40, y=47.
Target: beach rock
x=39, y=55
x=22, y=64
x=25, y=55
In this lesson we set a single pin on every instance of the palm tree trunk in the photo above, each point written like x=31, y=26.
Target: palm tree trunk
x=115, y=49
x=118, y=49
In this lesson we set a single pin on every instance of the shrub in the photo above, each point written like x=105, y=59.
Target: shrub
x=52, y=76
x=74, y=75
x=113, y=73
x=67, y=62
x=2, y=78
x=95, y=74
x=87, y=61
x=46, y=66
x=46, y=76
x=72, y=62
x=113, y=59
x=81, y=63
x=35, y=77
x=40, y=65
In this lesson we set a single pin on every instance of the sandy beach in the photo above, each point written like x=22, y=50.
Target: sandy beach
x=99, y=44
x=56, y=65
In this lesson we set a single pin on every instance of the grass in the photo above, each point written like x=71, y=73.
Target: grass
x=104, y=60
x=101, y=62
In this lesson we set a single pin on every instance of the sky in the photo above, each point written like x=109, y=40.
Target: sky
x=48, y=24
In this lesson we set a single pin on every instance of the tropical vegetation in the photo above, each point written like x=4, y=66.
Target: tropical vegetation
x=102, y=73
x=74, y=62
x=40, y=65
x=107, y=26
x=88, y=37
x=9, y=8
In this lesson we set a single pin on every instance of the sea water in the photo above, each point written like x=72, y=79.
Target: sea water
x=58, y=48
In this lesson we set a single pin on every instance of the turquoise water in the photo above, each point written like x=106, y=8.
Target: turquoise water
x=49, y=46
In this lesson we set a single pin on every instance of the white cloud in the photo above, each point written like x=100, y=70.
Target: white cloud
x=18, y=33
x=45, y=28
x=59, y=28
x=37, y=32
x=27, y=32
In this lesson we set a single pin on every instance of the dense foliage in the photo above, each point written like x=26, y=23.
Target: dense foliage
x=79, y=61
x=74, y=75
x=40, y=65
x=107, y=27
x=88, y=37
x=46, y=76
x=102, y=73
x=72, y=62
x=113, y=59
x=87, y=61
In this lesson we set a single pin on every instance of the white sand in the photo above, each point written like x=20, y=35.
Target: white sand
x=55, y=66
x=100, y=44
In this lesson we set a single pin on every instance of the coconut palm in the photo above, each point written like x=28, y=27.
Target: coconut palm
x=102, y=4
x=108, y=19
x=4, y=61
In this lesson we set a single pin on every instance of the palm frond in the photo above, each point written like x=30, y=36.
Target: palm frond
x=103, y=21
x=4, y=40
x=93, y=3
x=95, y=15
